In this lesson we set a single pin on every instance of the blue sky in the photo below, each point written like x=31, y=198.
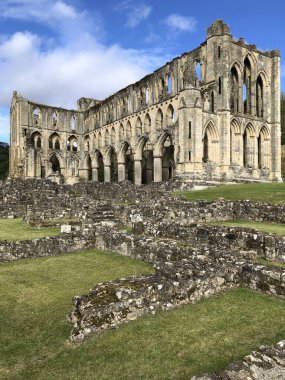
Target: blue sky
x=55, y=51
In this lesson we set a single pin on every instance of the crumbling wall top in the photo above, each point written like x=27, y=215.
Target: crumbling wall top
x=218, y=28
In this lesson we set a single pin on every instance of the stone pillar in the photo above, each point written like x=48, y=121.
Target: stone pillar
x=83, y=174
x=107, y=173
x=95, y=174
x=121, y=171
x=138, y=172
x=157, y=161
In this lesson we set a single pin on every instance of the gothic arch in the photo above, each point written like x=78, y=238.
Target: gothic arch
x=249, y=145
x=147, y=123
x=138, y=126
x=170, y=116
x=263, y=146
x=36, y=140
x=54, y=141
x=235, y=142
x=210, y=143
x=159, y=119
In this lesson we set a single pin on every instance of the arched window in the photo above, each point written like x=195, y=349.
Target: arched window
x=235, y=143
x=263, y=143
x=147, y=124
x=121, y=132
x=198, y=70
x=210, y=144
x=259, y=98
x=247, y=86
x=54, y=141
x=159, y=119
x=55, y=165
x=138, y=126
x=113, y=135
x=54, y=118
x=169, y=84
x=147, y=95
x=128, y=131
x=107, y=137
x=100, y=140
x=249, y=145
x=36, y=140
x=36, y=116
x=72, y=123
x=234, y=99
x=86, y=144
x=170, y=115
x=72, y=144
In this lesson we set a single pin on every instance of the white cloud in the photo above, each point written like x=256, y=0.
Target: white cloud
x=44, y=10
x=136, y=12
x=76, y=65
x=181, y=23
x=62, y=75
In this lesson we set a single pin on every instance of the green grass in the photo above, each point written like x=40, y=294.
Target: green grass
x=271, y=263
x=16, y=229
x=259, y=226
x=259, y=192
x=35, y=296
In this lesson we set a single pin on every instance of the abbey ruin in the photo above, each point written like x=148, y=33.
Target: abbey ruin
x=213, y=112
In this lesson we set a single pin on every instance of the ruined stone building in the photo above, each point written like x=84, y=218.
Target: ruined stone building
x=213, y=112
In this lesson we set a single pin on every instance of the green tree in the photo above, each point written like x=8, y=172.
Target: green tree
x=4, y=160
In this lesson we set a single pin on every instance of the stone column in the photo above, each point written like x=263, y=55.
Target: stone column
x=121, y=171
x=107, y=173
x=138, y=172
x=95, y=174
x=157, y=161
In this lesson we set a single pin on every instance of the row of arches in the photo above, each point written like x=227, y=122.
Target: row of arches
x=139, y=127
x=248, y=148
x=248, y=89
x=54, y=142
x=144, y=164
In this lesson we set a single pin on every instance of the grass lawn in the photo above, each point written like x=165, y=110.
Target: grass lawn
x=259, y=226
x=271, y=263
x=259, y=192
x=35, y=296
x=16, y=229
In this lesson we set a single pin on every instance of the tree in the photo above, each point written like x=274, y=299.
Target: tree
x=4, y=160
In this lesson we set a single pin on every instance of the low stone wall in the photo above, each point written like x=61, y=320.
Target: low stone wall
x=49, y=246
x=177, y=208
x=205, y=237
x=268, y=363
x=110, y=304
x=269, y=280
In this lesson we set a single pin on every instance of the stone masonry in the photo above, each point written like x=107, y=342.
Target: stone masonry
x=213, y=113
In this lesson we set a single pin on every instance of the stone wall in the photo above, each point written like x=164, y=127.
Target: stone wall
x=267, y=363
x=49, y=246
x=174, y=283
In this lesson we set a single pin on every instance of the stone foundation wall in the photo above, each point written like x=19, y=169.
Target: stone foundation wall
x=49, y=246
x=267, y=363
x=113, y=303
